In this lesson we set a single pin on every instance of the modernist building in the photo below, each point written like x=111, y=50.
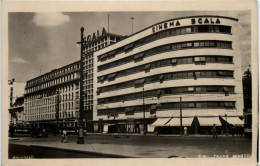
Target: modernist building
x=53, y=97
x=184, y=69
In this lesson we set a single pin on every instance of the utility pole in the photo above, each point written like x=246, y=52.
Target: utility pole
x=181, y=116
x=144, y=132
x=80, y=139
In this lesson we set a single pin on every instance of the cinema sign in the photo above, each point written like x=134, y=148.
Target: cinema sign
x=177, y=23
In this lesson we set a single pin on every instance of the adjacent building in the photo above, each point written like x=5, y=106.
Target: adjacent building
x=53, y=97
x=16, y=102
x=183, y=71
x=91, y=44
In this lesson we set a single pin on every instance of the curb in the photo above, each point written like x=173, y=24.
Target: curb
x=104, y=155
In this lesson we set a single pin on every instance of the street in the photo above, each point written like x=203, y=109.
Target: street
x=144, y=146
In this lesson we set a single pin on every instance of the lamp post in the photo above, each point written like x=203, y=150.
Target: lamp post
x=144, y=132
x=80, y=139
x=181, y=116
x=132, y=18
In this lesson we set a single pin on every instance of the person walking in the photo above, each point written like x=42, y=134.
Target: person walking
x=64, y=136
x=214, y=131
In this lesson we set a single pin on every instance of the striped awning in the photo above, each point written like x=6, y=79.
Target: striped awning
x=161, y=121
x=176, y=122
x=233, y=120
x=209, y=121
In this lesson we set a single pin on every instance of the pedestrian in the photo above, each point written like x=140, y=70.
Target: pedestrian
x=64, y=136
x=214, y=131
x=233, y=131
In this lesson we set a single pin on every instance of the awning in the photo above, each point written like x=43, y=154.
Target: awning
x=141, y=81
x=161, y=77
x=153, y=107
x=101, y=78
x=225, y=89
x=111, y=53
x=147, y=66
x=129, y=46
x=209, y=121
x=139, y=55
x=103, y=56
x=128, y=109
x=234, y=120
x=197, y=59
x=111, y=76
x=160, y=121
x=202, y=59
x=174, y=61
x=176, y=122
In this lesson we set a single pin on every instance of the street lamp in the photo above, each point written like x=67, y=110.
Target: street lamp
x=144, y=132
x=181, y=116
x=132, y=18
x=80, y=139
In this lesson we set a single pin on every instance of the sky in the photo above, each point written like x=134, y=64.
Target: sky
x=40, y=42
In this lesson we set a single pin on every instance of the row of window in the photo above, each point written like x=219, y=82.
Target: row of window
x=165, y=48
x=53, y=92
x=54, y=82
x=168, y=91
x=167, y=33
x=167, y=76
x=54, y=74
x=52, y=108
x=168, y=62
x=52, y=116
x=167, y=106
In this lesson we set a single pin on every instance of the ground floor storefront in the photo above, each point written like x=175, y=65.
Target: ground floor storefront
x=171, y=125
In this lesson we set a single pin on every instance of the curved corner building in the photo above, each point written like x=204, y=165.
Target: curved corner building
x=180, y=72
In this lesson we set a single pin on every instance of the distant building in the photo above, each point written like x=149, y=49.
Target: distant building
x=15, y=93
x=141, y=79
x=53, y=97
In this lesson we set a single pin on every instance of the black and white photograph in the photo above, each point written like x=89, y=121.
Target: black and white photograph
x=129, y=83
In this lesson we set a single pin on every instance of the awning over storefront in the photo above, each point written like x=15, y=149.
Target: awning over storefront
x=233, y=120
x=209, y=121
x=161, y=121
x=176, y=122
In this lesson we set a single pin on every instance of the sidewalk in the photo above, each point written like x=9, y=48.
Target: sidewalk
x=145, y=146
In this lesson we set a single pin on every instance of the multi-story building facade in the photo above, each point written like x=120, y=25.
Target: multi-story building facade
x=91, y=44
x=54, y=97
x=181, y=70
